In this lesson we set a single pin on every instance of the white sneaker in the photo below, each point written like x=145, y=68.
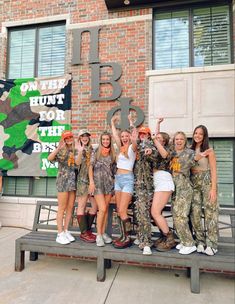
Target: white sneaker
x=62, y=239
x=69, y=236
x=147, y=250
x=106, y=238
x=136, y=242
x=179, y=246
x=187, y=250
x=99, y=240
x=210, y=251
x=200, y=248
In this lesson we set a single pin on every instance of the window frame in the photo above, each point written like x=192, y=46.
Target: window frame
x=37, y=27
x=190, y=7
x=31, y=187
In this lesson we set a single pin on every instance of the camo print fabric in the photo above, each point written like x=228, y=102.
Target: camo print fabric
x=201, y=189
x=182, y=161
x=163, y=163
x=83, y=177
x=143, y=172
x=102, y=174
x=66, y=178
x=181, y=205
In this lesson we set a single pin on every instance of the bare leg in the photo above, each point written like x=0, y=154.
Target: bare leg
x=107, y=198
x=62, y=205
x=69, y=209
x=160, y=200
x=101, y=202
x=94, y=207
x=125, y=200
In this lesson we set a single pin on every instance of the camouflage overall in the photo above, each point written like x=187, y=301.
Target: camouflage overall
x=143, y=172
x=83, y=178
x=201, y=189
x=182, y=197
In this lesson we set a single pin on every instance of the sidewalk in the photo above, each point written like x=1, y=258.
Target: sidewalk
x=53, y=280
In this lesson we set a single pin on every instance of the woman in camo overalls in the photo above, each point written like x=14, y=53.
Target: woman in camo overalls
x=204, y=181
x=64, y=154
x=182, y=160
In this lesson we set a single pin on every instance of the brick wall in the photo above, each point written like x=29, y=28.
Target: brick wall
x=124, y=43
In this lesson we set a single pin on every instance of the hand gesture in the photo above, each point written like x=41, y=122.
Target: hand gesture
x=148, y=151
x=134, y=135
x=160, y=120
x=115, y=119
x=78, y=146
x=61, y=144
x=206, y=152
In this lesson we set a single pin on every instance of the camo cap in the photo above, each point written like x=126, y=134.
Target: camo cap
x=83, y=132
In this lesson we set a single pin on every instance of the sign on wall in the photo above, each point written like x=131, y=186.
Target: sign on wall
x=33, y=114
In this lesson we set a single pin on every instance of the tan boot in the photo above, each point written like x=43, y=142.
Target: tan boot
x=168, y=243
x=160, y=239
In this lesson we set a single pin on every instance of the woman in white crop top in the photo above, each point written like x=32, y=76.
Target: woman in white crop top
x=124, y=180
x=204, y=181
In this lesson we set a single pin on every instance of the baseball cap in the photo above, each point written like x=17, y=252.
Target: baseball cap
x=145, y=130
x=66, y=134
x=82, y=132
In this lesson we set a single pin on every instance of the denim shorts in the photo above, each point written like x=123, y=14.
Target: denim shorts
x=124, y=182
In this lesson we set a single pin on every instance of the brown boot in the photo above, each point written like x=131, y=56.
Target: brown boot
x=160, y=239
x=168, y=243
x=126, y=240
x=82, y=222
x=121, y=231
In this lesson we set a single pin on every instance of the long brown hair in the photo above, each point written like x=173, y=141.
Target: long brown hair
x=205, y=142
x=112, y=151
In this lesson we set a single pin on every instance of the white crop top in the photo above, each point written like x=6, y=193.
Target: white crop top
x=124, y=162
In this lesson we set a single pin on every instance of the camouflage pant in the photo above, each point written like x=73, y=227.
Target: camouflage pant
x=181, y=204
x=143, y=217
x=201, y=189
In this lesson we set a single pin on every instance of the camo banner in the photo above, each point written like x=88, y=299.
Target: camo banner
x=33, y=114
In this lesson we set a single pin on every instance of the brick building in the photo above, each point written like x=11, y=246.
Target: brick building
x=173, y=59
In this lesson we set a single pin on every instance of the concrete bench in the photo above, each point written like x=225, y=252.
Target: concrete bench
x=42, y=240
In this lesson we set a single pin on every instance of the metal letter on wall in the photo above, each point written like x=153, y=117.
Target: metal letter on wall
x=124, y=108
x=94, y=45
x=96, y=81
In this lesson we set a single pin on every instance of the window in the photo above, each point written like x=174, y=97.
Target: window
x=28, y=186
x=225, y=156
x=192, y=37
x=36, y=51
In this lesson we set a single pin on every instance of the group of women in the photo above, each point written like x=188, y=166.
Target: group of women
x=151, y=168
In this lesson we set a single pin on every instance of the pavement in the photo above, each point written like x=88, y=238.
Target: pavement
x=52, y=280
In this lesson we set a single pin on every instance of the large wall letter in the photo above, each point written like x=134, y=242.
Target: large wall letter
x=94, y=45
x=96, y=81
